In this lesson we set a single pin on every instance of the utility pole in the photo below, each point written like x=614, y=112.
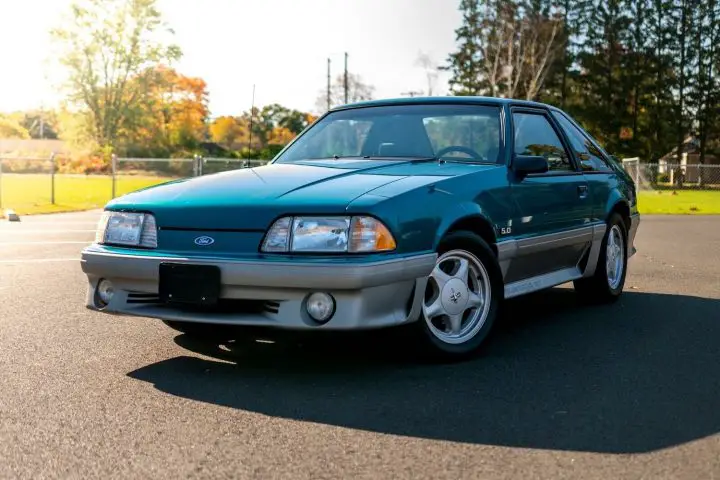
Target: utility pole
x=346, y=78
x=42, y=121
x=328, y=85
x=252, y=114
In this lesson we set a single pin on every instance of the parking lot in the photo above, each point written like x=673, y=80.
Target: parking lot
x=630, y=390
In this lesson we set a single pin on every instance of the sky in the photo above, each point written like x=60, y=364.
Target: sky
x=280, y=46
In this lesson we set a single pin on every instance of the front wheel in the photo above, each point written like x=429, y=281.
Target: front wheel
x=606, y=284
x=462, y=297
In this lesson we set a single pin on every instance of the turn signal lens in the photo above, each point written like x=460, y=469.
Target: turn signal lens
x=278, y=238
x=370, y=235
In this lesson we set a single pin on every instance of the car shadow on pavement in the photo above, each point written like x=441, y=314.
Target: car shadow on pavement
x=633, y=377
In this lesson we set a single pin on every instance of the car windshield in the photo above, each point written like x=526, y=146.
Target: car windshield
x=468, y=133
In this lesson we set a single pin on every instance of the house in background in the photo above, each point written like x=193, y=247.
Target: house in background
x=689, y=163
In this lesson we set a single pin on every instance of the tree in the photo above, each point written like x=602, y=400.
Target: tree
x=705, y=98
x=466, y=64
x=605, y=86
x=106, y=44
x=358, y=91
x=38, y=123
x=280, y=136
x=172, y=116
x=230, y=132
x=10, y=128
x=684, y=17
x=506, y=48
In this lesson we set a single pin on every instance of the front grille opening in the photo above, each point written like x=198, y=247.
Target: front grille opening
x=140, y=298
x=229, y=306
x=224, y=305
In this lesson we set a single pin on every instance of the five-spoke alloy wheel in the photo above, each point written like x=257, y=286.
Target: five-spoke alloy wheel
x=615, y=257
x=457, y=299
x=607, y=283
x=462, y=296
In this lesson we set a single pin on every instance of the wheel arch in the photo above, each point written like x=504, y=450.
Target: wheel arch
x=622, y=208
x=476, y=222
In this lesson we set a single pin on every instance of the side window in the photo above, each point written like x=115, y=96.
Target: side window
x=534, y=135
x=591, y=160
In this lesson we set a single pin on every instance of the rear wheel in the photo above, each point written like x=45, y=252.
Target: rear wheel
x=607, y=283
x=462, y=297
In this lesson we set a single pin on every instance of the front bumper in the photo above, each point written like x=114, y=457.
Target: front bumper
x=269, y=293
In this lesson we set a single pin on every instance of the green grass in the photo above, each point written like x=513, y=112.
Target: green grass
x=684, y=202
x=30, y=193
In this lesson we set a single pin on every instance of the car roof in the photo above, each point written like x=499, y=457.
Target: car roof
x=448, y=100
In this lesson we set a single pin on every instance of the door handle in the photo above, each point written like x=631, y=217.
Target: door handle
x=582, y=191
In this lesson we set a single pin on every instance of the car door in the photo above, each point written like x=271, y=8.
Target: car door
x=596, y=168
x=555, y=207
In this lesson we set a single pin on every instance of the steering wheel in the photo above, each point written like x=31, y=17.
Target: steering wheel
x=457, y=148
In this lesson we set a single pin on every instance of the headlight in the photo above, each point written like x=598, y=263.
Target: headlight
x=328, y=235
x=127, y=229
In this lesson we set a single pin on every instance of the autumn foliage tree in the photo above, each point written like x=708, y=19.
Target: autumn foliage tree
x=108, y=49
x=10, y=128
x=171, y=120
x=229, y=132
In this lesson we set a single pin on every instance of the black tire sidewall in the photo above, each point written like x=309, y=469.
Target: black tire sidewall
x=476, y=246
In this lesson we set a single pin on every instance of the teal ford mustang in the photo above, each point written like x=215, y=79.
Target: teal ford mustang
x=419, y=212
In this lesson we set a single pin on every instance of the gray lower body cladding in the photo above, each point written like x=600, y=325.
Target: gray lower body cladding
x=572, y=255
x=273, y=294
x=371, y=295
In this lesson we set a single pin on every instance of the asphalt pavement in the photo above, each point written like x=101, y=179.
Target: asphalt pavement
x=562, y=390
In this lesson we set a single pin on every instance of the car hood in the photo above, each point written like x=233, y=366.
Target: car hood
x=251, y=198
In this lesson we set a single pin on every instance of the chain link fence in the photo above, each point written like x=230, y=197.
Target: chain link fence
x=54, y=183
x=659, y=175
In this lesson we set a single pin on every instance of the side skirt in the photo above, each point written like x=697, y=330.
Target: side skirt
x=542, y=282
x=509, y=250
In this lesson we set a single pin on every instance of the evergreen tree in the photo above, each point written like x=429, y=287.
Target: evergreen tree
x=465, y=64
x=640, y=75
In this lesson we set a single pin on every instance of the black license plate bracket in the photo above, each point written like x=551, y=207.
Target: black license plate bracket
x=189, y=284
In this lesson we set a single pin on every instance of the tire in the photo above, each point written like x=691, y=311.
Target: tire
x=204, y=331
x=602, y=287
x=438, y=337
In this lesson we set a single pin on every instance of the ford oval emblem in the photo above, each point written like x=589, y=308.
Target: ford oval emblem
x=204, y=241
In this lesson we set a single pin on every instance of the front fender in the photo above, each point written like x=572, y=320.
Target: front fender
x=461, y=212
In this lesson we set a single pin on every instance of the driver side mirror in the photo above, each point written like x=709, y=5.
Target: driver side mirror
x=524, y=165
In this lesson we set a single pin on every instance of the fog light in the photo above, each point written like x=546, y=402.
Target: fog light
x=320, y=306
x=105, y=291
